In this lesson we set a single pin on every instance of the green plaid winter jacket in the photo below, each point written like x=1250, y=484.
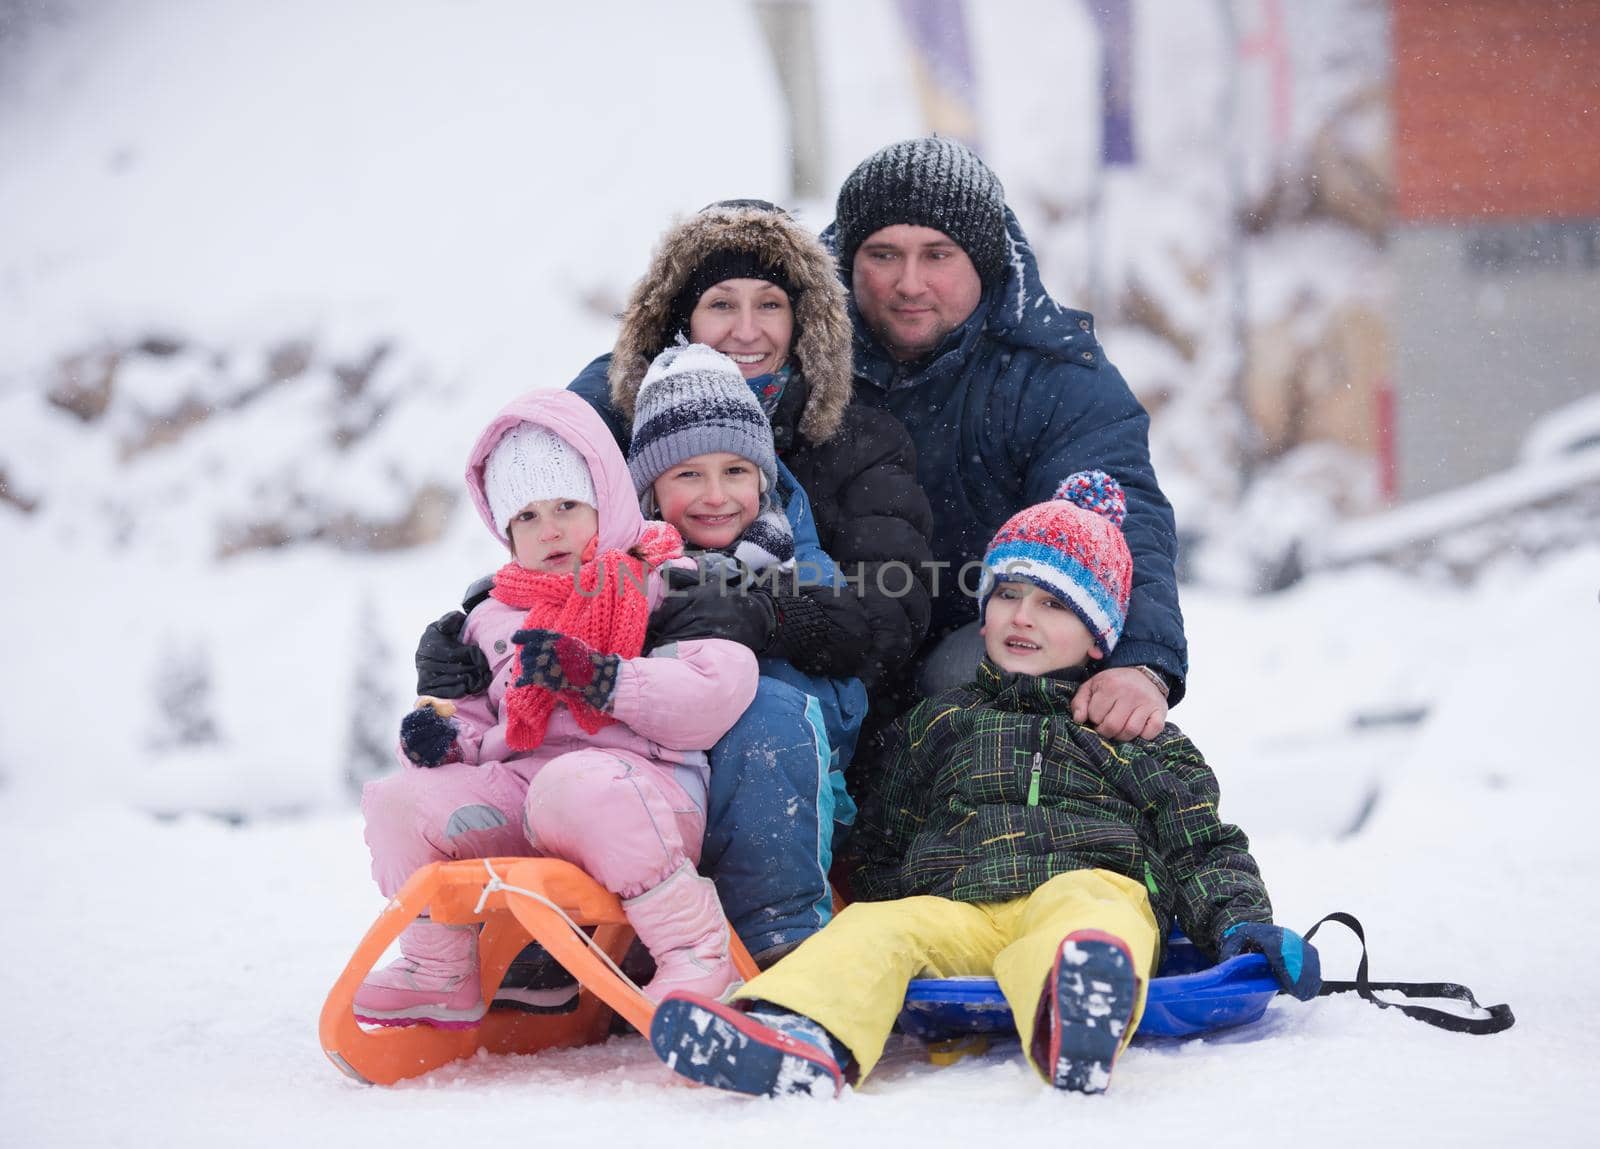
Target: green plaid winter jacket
x=987, y=791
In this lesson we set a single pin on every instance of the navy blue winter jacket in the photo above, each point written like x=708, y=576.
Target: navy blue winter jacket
x=1012, y=402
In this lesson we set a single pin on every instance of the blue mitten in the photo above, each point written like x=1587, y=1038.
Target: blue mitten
x=426, y=737
x=1292, y=959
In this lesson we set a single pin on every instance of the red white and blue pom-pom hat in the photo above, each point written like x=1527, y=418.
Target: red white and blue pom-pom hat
x=1071, y=547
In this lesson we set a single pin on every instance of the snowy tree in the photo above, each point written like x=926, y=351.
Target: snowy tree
x=374, y=710
x=183, y=712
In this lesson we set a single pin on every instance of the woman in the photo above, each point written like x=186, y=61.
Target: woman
x=746, y=279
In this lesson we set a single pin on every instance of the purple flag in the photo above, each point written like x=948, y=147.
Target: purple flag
x=1115, y=20
x=938, y=32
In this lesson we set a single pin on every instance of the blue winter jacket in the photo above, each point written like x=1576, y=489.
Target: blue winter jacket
x=1015, y=400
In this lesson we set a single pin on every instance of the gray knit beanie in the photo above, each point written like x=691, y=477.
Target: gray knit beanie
x=694, y=401
x=930, y=182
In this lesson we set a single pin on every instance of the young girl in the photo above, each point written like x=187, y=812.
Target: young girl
x=702, y=459
x=581, y=748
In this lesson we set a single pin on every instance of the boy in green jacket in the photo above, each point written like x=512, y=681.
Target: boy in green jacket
x=1001, y=837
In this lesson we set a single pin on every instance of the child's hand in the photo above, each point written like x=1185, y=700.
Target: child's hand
x=426, y=736
x=566, y=665
x=1292, y=959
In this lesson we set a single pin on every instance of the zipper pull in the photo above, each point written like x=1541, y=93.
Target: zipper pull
x=1033, y=783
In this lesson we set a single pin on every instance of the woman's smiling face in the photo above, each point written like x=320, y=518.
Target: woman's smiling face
x=748, y=320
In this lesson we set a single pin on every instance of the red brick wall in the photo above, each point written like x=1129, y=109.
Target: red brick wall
x=1497, y=108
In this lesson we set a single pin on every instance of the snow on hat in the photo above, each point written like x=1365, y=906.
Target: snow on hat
x=694, y=401
x=930, y=182
x=1071, y=547
x=531, y=463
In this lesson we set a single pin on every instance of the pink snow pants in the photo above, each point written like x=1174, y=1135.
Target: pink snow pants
x=622, y=818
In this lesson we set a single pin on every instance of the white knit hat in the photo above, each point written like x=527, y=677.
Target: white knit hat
x=528, y=464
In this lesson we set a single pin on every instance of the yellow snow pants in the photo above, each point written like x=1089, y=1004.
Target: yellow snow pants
x=851, y=976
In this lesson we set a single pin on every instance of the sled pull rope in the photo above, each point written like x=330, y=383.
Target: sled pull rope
x=496, y=883
x=1499, y=1016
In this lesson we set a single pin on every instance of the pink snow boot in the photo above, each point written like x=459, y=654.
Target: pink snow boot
x=435, y=981
x=681, y=923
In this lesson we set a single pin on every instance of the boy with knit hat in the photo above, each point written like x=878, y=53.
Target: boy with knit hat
x=1002, y=837
x=694, y=405
x=702, y=459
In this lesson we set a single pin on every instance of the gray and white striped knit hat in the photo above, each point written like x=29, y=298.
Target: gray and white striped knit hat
x=929, y=182
x=694, y=401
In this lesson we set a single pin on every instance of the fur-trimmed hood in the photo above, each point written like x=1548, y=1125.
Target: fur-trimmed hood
x=822, y=346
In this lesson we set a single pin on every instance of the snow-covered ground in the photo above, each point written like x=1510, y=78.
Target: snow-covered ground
x=475, y=182
x=165, y=979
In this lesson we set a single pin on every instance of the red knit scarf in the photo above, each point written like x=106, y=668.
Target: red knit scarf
x=604, y=604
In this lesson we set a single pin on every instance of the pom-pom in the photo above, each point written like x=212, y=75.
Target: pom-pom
x=1095, y=491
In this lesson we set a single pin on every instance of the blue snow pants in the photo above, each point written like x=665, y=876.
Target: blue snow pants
x=776, y=800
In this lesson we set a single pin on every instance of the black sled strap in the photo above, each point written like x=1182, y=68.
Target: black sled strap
x=1499, y=1016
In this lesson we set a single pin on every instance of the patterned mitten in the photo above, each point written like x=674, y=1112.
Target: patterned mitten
x=566, y=665
x=426, y=736
x=1292, y=959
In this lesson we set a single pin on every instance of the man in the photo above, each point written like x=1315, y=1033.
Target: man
x=1005, y=393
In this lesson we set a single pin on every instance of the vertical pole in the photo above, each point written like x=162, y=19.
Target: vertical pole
x=1114, y=21
x=790, y=32
x=941, y=59
x=1388, y=457
x=1237, y=356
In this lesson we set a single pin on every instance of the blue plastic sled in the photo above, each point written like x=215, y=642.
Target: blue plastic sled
x=1189, y=996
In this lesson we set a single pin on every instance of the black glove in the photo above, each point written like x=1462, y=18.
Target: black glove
x=566, y=665
x=448, y=667
x=1292, y=959
x=426, y=737
x=706, y=606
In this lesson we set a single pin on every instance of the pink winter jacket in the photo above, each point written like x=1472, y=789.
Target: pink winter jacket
x=671, y=704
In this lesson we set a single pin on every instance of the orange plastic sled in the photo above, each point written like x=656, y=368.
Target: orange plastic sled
x=514, y=898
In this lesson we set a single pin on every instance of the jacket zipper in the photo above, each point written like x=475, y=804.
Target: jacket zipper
x=1038, y=763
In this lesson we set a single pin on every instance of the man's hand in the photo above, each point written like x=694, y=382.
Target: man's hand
x=1121, y=704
